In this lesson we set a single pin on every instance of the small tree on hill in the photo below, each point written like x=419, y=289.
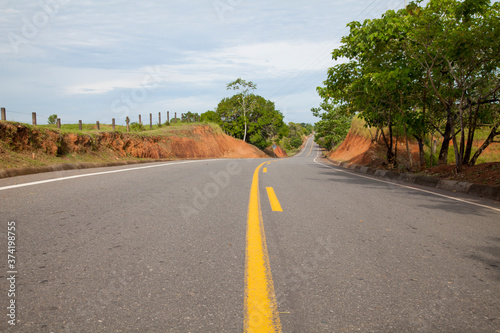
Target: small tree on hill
x=246, y=105
x=52, y=119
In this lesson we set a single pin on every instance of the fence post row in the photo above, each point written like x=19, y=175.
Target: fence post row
x=80, y=123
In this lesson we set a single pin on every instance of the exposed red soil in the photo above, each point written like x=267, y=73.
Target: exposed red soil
x=485, y=173
x=199, y=142
x=361, y=150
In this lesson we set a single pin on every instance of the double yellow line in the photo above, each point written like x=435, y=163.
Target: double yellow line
x=261, y=309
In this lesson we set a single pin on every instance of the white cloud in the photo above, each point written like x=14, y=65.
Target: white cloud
x=91, y=52
x=267, y=60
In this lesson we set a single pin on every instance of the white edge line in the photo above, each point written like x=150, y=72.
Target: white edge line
x=409, y=187
x=100, y=173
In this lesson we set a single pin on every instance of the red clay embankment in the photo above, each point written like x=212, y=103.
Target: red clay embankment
x=28, y=146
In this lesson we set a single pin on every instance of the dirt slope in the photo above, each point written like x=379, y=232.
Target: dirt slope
x=22, y=145
x=359, y=149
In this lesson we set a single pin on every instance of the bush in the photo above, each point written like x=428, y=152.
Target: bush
x=52, y=119
x=296, y=142
x=136, y=127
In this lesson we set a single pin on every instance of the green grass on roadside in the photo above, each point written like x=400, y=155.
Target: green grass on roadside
x=359, y=126
x=144, y=130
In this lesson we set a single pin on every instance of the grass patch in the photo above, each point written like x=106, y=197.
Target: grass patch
x=91, y=129
x=360, y=127
x=292, y=151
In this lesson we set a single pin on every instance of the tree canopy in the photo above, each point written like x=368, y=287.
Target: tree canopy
x=418, y=71
x=254, y=119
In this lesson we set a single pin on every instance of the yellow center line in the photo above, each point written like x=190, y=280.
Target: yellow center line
x=261, y=309
x=273, y=199
x=309, y=153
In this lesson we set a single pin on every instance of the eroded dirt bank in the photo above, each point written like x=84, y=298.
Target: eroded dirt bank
x=360, y=149
x=20, y=143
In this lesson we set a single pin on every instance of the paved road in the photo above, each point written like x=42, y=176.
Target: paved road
x=163, y=248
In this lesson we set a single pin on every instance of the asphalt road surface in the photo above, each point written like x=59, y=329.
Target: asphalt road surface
x=202, y=246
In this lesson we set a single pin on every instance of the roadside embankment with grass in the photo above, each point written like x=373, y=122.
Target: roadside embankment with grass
x=23, y=146
x=364, y=146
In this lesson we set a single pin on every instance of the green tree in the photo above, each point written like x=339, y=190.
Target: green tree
x=245, y=104
x=421, y=69
x=456, y=43
x=333, y=126
x=189, y=117
x=52, y=119
x=210, y=117
x=261, y=125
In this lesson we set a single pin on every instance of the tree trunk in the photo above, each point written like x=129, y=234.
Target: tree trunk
x=470, y=137
x=421, y=154
x=408, y=147
x=458, y=157
x=389, y=144
x=443, y=153
x=494, y=132
x=245, y=136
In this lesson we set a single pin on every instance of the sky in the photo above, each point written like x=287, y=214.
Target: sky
x=97, y=60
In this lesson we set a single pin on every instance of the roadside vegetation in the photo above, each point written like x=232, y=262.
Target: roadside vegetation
x=255, y=120
x=428, y=74
x=167, y=129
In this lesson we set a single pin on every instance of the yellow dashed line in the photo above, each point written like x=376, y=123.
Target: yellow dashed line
x=273, y=199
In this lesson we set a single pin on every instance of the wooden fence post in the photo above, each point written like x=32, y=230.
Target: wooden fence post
x=150, y=121
x=80, y=125
x=140, y=120
x=159, y=119
x=113, y=123
x=4, y=114
x=98, y=126
x=33, y=118
x=168, y=117
x=175, y=117
x=127, y=120
x=58, y=122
